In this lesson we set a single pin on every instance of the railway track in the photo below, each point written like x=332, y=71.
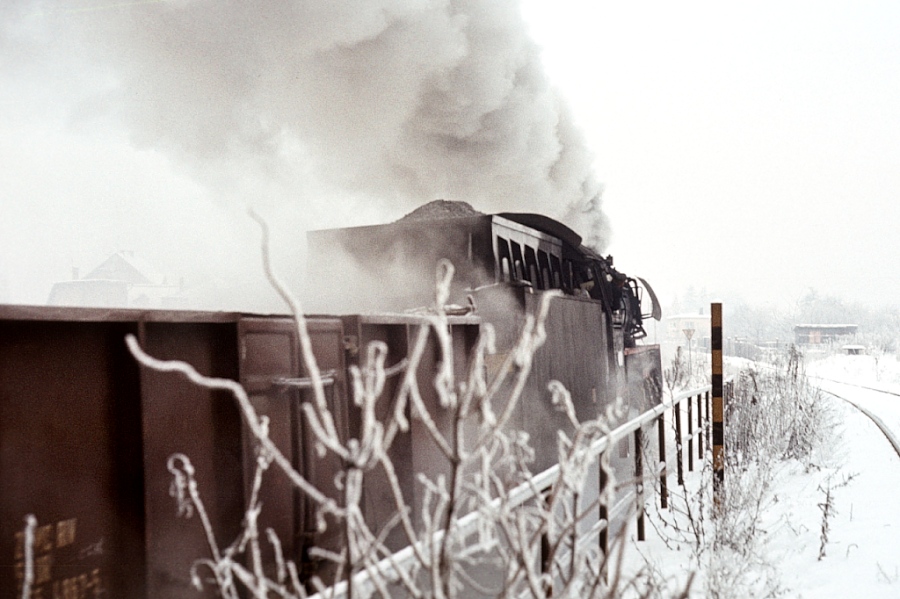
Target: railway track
x=890, y=434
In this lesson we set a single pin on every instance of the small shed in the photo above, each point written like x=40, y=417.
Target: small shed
x=822, y=334
x=853, y=350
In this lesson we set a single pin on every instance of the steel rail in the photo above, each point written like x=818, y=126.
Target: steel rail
x=885, y=430
x=823, y=378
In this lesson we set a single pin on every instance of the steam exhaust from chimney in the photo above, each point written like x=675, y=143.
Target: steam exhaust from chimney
x=390, y=102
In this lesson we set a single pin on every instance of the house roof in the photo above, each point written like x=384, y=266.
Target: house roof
x=124, y=266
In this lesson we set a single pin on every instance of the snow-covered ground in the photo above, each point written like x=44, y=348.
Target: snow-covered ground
x=862, y=554
x=859, y=555
x=883, y=373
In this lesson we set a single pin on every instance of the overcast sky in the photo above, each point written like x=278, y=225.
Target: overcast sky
x=751, y=151
x=750, y=148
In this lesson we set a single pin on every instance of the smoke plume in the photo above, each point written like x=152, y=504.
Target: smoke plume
x=400, y=100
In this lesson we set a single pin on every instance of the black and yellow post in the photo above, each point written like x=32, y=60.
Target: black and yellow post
x=718, y=404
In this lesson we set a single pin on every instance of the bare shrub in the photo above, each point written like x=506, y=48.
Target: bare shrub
x=774, y=413
x=829, y=511
x=27, y=540
x=676, y=374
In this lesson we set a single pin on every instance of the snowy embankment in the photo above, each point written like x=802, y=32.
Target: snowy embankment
x=862, y=553
x=825, y=526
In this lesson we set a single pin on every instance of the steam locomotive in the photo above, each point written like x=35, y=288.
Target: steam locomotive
x=85, y=432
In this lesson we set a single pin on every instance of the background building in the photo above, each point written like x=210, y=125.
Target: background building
x=120, y=281
x=823, y=334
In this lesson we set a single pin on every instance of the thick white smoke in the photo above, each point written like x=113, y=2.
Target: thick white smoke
x=320, y=113
x=401, y=100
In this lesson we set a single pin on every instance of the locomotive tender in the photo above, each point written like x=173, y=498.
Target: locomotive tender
x=85, y=432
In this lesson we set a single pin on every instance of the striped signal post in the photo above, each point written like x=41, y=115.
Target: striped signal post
x=718, y=404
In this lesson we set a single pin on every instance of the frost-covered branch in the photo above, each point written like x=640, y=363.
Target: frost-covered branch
x=28, y=551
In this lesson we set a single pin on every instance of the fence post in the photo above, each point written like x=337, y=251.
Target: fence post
x=718, y=407
x=679, y=446
x=546, y=566
x=690, y=442
x=604, y=511
x=707, y=419
x=639, y=477
x=663, y=483
x=699, y=425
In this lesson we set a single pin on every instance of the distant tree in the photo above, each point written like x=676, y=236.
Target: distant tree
x=695, y=300
x=815, y=308
x=757, y=324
